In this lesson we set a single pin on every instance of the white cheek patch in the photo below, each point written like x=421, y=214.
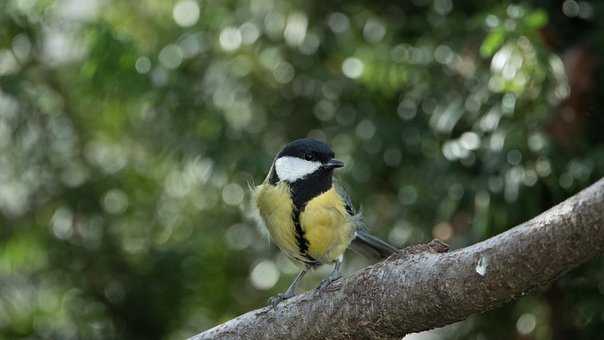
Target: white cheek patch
x=292, y=169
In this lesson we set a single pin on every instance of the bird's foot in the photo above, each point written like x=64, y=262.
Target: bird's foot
x=277, y=299
x=328, y=280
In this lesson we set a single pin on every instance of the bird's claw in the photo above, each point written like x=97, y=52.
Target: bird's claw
x=327, y=281
x=277, y=299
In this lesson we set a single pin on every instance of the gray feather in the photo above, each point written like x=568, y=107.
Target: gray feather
x=371, y=246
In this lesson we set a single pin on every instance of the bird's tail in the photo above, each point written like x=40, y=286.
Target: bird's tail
x=371, y=246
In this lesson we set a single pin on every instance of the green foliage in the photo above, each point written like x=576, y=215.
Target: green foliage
x=130, y=130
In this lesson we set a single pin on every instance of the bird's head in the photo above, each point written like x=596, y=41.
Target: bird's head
x=303, y=158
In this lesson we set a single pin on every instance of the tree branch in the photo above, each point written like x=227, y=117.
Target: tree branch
x=423, y=287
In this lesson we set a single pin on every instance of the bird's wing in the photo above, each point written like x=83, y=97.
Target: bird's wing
x=356, y=216
x=346, y=198
x=363, y=242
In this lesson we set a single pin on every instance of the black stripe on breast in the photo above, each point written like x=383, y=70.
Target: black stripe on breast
x=301, y=240
x=302, y=191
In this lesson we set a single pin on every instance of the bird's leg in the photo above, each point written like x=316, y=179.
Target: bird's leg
x=291, y=290
x=334, y=275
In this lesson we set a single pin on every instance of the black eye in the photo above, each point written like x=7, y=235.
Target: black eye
x=308, y=156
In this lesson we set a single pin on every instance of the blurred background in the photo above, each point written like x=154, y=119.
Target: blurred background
x=131, y=130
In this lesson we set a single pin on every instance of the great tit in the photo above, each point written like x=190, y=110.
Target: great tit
x=308, y=215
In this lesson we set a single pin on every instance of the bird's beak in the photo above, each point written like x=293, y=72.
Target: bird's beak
x=333, y=163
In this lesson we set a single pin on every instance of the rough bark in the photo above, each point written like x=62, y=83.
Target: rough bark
x=425, y=286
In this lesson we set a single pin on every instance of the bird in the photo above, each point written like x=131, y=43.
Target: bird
x=309, y=216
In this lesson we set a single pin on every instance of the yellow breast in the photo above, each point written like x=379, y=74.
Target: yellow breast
x=326, y=226
x=324, y=221
x=275, y=208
